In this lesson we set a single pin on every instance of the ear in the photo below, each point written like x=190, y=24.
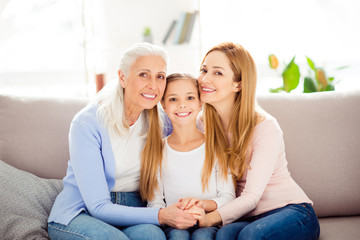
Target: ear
x=122, y=78
x=237, y=86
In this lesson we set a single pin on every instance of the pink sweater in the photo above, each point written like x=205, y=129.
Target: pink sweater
x=267, y=184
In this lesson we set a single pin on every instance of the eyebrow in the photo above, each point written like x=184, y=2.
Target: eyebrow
x=175, y=94
x=215, y=67
x=147, y=70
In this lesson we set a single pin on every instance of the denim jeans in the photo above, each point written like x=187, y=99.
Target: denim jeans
x=294, y=221
x=84, y=226
x=193, y=233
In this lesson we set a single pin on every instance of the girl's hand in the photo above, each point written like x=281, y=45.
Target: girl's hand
x=188, y=203
x=199, y=214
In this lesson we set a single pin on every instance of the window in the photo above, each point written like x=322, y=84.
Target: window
x=41, y=48
x=326, y=31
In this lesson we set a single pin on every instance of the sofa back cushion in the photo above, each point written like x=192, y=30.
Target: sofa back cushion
x=322, y=144
x=34, y=133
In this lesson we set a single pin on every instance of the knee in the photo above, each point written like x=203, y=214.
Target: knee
x=152, y=232
x=252, y=231
x=178, y=234
x=204, y=233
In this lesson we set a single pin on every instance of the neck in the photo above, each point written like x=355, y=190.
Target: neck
x=183, y=135
x=132, y=112
x=225, y=112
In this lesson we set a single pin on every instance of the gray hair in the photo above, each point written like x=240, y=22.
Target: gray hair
x=111, y=111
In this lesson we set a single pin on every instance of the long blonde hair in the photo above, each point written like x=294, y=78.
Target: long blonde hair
x=111, y=113
x=244, y=118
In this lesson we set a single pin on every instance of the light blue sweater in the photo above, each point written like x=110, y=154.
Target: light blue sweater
x=91, y=176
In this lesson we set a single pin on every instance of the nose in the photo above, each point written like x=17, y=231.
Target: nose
x=152, y=83
x=203, y=78
x=182, y=104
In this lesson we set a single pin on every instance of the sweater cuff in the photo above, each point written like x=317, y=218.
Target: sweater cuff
x=225, y=215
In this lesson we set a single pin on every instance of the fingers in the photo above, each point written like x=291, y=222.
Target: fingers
x=175, y=217
x=187, y=203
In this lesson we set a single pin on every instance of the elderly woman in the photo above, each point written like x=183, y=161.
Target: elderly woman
x=114, y=144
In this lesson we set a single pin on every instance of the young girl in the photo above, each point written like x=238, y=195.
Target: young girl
x=185, y=171
x=269, y=203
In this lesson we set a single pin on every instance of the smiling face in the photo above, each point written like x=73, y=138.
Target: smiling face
x=181, y=101
x=216, y=80
x=145, y=84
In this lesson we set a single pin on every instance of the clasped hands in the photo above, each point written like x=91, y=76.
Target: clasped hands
x=185, y=213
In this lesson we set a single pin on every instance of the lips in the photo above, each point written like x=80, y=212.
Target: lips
x=149, y=96
x=206, y=89
x=183, y=114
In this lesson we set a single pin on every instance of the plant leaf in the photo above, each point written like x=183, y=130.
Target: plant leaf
x=309, y=85
x=276, y=90
x=311, y=63
x=342, y=67
x=331, y=79
x=330, y=87
x=291, y=76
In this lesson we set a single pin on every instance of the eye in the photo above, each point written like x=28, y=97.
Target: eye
x=218, y=73
x=143, y=74
x=161, y=77
x=203, y=70
x=191, y=97
x=172, y=99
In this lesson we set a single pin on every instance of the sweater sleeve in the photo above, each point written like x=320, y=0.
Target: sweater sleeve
x=225, y=191
x=88, y=166
x=266, y=146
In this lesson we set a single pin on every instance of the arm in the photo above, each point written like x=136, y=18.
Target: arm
x=267, y=146
x=89, y=169
x=225, y=190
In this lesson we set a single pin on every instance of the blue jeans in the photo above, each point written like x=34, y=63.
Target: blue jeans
x=84, y=226
x=294, y=221
x=193, y=233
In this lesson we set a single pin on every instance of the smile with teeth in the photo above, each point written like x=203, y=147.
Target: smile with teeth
x=183, y=114
x=148, y=95
x=205, y=89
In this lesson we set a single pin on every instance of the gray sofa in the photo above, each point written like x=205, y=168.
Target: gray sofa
x=322, y=139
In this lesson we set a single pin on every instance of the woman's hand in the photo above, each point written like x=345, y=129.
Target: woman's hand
x=176, y=217
x=210, y=219
x=187, y=203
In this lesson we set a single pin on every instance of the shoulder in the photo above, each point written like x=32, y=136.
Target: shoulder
x=86, y=115
x=267, y=124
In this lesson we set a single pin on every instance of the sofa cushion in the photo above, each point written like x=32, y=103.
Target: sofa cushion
x=336, y=228
x=34, y=130
x=322, y=136
x=25, y=203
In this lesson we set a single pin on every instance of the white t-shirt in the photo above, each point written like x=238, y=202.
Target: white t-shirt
x=181, y=178
x=127, y=150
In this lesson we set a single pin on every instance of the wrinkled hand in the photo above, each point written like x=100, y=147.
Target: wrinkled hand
x=187, y=203
x=176, y=217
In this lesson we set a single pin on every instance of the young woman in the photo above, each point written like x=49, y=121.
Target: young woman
x=248, y=141
x=105, y=174
x=185, y=172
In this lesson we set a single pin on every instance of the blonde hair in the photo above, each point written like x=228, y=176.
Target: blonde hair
x=111, y=113
x=244, y=118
